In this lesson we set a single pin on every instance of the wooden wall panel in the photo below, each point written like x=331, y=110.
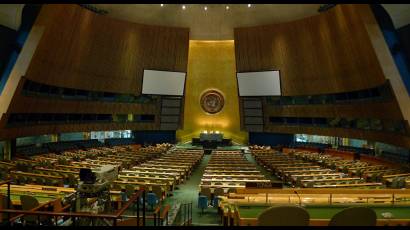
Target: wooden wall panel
x=82, y=50
x=42, y=105
x=327, y=53
x=379, y=110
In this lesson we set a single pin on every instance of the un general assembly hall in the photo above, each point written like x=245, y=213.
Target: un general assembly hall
x=204, y=115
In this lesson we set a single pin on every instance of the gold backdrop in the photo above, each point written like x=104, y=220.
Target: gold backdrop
x=211, y=65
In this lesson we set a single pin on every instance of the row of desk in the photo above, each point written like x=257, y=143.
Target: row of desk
x=243, y=207
x=366, y=171
x=298, y=171
x=229, y=170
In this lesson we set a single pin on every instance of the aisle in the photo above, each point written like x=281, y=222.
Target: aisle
x=188, y=192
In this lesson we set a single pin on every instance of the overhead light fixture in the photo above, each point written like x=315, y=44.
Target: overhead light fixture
x=183, y=7
x=162, y=5
x=205, y=8
x=249, y=5
x=227, y=7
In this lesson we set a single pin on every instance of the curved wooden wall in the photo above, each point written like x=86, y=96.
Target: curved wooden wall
x=82, y=50
x=324, y=54
x=327, y=53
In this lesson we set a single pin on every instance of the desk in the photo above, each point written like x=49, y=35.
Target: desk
x=367, y=185
x=319, y=215
x=234, y=180
x=210, y=137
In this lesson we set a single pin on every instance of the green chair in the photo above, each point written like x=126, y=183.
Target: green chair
x=310, y=184
x=402, y=182
x=284, y=216
x=29, y=180
x=28, y=203
x=129, y=190
x=354, y=216
x=217, y=193
x=116, y=187
x=374, y=177
x=21, y=179
x=72, y=181
x=41, y=181
x=231, y=190
x=206, y=192
x=395, y=183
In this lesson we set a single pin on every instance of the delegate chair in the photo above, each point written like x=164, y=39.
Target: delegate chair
x=152, y=199
x=354, y=216
x=217, y=192
x=206, y=192
x=29, y=203
x=284, y=216
x=72, y=181
x=232, y=190
x=202, y=202
x=116, y=187
x=129, y=190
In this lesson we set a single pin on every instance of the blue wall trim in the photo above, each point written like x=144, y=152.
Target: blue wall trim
x=30, y=12
x=391, y=37
x=272, y=139
x=154, y=137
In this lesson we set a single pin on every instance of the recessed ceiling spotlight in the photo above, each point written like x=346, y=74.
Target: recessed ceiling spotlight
x=183, y=7
x=249, y=5
x=227, y=7
x=205, y=8
x=162, y=5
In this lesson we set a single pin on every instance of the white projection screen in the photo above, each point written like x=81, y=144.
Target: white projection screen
x=264, y=83
x=163, y=83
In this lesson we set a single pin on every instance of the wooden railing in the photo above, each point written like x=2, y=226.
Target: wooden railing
x=8, y=182
x=113, y=217
x=186, y=209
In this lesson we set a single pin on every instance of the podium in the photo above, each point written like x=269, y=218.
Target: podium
x=211, y=140
x=211, y=137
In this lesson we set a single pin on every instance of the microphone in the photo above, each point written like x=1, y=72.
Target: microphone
x=300, y=200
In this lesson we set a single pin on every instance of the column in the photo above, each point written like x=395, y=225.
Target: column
x=86, y=135
x=9, y=149
x=55, y=137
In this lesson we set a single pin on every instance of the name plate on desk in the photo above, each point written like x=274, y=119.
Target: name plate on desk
x=48, y=189
x=258, y=185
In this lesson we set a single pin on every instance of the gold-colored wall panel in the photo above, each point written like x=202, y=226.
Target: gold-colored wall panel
x=211, y=65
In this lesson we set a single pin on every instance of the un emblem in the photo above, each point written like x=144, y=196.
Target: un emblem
x=212, y=101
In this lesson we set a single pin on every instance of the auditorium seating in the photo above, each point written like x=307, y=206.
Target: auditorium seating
x=229, y=170
x=314, y=170
x=165, y=172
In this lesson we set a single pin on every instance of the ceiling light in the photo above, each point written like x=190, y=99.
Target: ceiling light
x=162, y=5
x=227, y=7
x=249, y=5
x=205, y=8
x=183, y=7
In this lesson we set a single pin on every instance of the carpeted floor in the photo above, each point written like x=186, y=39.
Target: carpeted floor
x=188, y=192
